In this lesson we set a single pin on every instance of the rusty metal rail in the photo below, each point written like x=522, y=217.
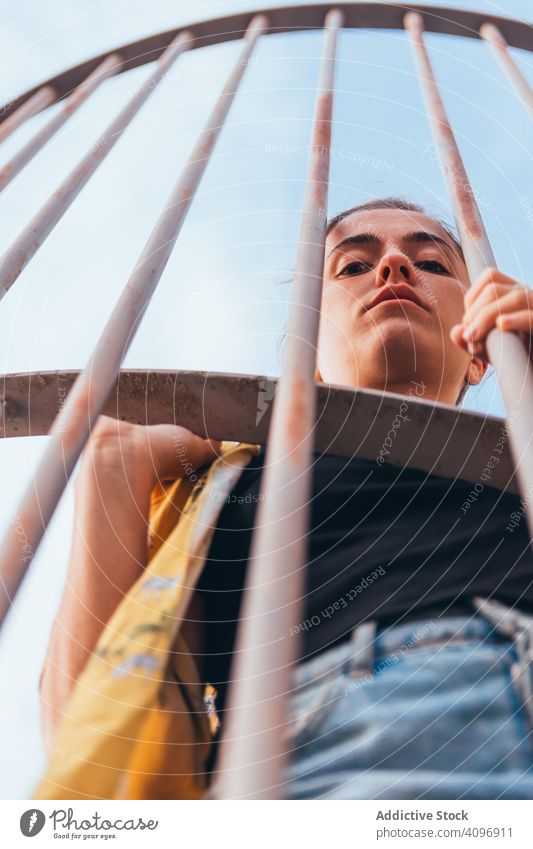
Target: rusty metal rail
x=442, y=440
x=500, y=48
x=253, y=751
x=78, y=415
x=73, y=102
x=506, y=351
x=28, y=242
x=13, y=115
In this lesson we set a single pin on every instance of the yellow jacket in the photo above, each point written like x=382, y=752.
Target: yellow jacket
x=136, y=726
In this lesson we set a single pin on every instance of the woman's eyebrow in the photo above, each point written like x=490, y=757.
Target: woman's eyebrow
x=419, y=236
x=359, y=239
x=423, y=236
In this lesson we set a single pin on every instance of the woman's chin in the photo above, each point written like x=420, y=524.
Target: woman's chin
x=401, y=341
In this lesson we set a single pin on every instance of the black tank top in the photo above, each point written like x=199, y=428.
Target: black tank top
x=385, y=543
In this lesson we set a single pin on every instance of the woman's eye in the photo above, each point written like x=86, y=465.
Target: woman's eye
x=356, y=268
x=432, y=266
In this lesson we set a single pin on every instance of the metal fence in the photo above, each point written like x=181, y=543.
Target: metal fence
x=253, y=754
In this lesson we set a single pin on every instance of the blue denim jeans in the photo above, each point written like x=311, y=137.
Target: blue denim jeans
x=436, y=708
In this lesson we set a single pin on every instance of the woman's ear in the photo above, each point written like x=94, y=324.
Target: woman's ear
x=476, y=370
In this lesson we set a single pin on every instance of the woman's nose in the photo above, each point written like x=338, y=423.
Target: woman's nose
x=395, y=268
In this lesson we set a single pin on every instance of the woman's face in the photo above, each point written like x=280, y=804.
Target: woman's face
x=394, y=284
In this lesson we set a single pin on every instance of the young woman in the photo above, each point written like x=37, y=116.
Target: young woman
x=408, y=685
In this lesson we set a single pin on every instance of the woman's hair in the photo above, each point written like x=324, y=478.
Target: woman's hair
x=394, y=203
x=400, y=203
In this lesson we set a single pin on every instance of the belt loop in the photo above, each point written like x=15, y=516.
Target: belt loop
x=362, y=640
x=519, y=628
x=505, y=619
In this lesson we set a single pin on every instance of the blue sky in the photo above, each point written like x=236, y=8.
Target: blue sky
x=237, y=248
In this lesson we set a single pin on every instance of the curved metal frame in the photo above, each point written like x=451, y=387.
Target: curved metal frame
x=447, y=21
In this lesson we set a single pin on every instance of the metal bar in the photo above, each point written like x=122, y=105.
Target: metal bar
x=72, y=103
x=493, y=36
x=293, y=18
x=253, y=754
x=350, y=422
x=38, y=101
x=30, y=239
x=88, y=396
x=506, y=350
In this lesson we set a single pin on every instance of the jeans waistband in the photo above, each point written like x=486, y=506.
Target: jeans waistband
x=370, y=639
x=489, y=621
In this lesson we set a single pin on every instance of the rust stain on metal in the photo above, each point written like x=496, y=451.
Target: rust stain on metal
x=452, y=160
x=40, y=379
x=298, y=416
x=321, y=146
x=110, y=65
x=10, y=409
x=74, y=100
x=461, y=184
x=5, y=173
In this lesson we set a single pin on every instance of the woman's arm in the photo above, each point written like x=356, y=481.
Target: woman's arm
x=118, y=470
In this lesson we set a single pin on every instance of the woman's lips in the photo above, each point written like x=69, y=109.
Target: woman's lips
x=400, y=294
x=397, y=301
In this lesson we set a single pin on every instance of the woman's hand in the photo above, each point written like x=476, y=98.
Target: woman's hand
x=495, y=300
x=146, y=454
x=119, y=467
